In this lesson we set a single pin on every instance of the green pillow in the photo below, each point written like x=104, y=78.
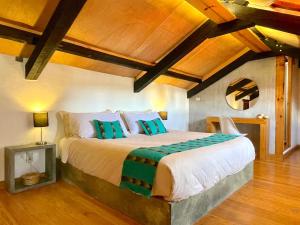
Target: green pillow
x=108, y=129
x=152, y=127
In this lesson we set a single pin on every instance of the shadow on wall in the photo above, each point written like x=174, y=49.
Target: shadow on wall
x=199, y=125
x=60, y=133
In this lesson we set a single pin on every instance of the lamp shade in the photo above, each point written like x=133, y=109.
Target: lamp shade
x=163, y=115
x=40, y=119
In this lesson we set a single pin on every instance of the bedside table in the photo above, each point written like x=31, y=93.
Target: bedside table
x=15, y=185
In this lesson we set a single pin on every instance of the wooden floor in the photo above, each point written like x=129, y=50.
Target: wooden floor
x=272, y=198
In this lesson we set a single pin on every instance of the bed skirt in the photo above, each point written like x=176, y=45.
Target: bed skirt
x=156, y=211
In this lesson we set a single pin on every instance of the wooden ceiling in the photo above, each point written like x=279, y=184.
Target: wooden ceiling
x=142, y=31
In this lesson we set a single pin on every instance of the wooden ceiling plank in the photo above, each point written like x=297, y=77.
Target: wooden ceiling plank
x=221, y=73
x=248, y=38
x=214, y=10
x=183, y=77
x=267, y=18
x=208, y=30
x=32, y=39
x=192, y=41
x=277, y=47
x=59, y=24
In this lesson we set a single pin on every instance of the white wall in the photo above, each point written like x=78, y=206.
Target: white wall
x=213, y=103
x=77, y=90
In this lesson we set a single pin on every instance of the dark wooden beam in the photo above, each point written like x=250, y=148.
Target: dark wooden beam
x=245, y=93
x=59, y=24
x=183, y=77
x=267, y=18
x=222, y=73
x=196, y=38
x=208, y=30
x=277, y=47
x=237, y=86
x=32, y=39
x=263, y=55
x=96, y=55
x=18, y=35
x=254, y=95
x=231, y=26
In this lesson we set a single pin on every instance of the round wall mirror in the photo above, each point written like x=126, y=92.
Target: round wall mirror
x=242, y=94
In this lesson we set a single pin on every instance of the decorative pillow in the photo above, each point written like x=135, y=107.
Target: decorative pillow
x=152, y=127
x=132, y=120
x=81, y=124
x=109, y=129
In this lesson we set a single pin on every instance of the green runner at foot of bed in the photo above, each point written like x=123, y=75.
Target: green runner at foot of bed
x=139, y=167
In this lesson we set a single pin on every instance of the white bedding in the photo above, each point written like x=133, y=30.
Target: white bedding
x=178, y=176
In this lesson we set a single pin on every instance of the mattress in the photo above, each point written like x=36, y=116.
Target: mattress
x=179, y=175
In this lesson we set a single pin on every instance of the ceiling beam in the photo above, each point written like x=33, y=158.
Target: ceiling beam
x=267, y=18
x=245, y=93
x=59, y=24
x=230, y=27
x=183, y=77
x=18, y=35
x=254, y=95
x=214, y=10
x=191, y=42
x=22, y=36
x=102, y=56
x=237, y=86
x=278, y=47
x=208, y=30
x=264, y=55
x=221, y=73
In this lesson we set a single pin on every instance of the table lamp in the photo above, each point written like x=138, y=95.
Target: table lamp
x=41, y=120
x=163, y=115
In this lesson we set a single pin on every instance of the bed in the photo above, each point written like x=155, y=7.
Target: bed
x=187, y=184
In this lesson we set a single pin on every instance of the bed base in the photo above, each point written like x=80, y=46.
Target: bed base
x=156, y=211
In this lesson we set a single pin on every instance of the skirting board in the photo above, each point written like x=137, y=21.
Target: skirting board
x=156, y=211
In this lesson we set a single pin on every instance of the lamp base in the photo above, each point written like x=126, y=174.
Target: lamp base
x=41, y=143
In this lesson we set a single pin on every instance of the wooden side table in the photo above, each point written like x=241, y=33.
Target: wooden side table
x=15, y=185
x=263, y=129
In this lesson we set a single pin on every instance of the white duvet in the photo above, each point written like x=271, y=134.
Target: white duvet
x=178, y=176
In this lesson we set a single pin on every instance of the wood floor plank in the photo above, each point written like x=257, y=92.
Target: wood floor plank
x=271, y=198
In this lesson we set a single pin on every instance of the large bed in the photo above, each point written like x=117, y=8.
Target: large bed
x=187, y=184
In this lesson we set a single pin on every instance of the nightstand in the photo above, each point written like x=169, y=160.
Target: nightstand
x=15, y=185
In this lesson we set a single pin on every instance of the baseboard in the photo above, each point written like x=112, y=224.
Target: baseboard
x=286, y=153
x=290, y=151
x=273, y=157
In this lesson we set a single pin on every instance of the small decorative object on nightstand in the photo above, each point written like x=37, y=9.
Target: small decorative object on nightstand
x=31, y=180
x=41, y=120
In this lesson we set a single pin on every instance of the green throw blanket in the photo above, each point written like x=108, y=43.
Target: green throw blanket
x=140, y=166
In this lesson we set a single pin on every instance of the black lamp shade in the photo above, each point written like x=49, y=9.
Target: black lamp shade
x=163, y=115
x=40, y=119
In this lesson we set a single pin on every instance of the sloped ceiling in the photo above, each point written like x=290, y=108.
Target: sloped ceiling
x=142, y=30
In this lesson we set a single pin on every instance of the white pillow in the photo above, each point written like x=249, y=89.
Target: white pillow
x=81, y=124
x=137, y=112
x=132, y=119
